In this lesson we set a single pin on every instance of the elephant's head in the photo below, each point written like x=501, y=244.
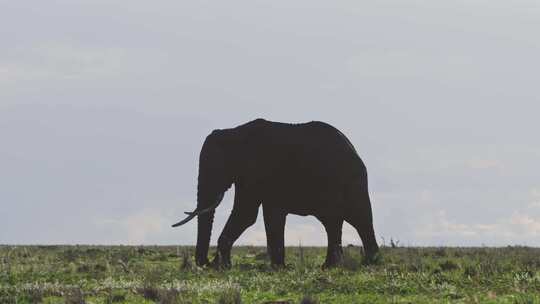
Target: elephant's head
x=215, y=178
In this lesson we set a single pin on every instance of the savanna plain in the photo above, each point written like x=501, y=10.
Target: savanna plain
x=167, y=274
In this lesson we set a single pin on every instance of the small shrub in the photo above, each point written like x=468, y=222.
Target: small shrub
x=8, y=299
x=100, y=268
x=440, y=252
x=252, y=250
x=150, y=292
x=487, y=268
x=33, y=296
x=470, y=271
x=70, y=255
x=169, y=296
x=151, y=278
x=262, y=256
x=301, y=256
x=83, y=268
x=351, y=260
x=230, y=296
x=448, y=265
x=308, y=300
x=74, y=296
x=158, y=257
x=116, y=296
x=393, y=268
x=187, y=263
x=124, y=266
x=377, y=259
x=415, y=265
x=526, y=299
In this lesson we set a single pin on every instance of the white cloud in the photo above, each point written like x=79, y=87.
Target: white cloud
x=303, y=233
x=524, y=225
x=535, y=204
x=484, y=164
x=61, y=61
x=519, y=228
x=308, y=233
x=440, y=226
x=535, y=196
x=255, y=237
x=142, y=227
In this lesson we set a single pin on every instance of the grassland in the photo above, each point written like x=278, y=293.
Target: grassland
x=166, y=274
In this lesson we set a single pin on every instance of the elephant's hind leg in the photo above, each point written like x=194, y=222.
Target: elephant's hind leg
x=274, y=222
x=334, y=252
x=360, y=217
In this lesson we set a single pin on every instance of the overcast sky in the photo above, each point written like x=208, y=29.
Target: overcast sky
x=104, y=106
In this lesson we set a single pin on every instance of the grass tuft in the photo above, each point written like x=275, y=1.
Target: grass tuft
x=448, y=265
x=352, y=260
x=229, y=296
x=74, y=296
x=187, y=263
x=309, y=300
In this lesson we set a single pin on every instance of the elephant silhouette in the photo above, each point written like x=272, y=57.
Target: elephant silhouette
x=303, y=169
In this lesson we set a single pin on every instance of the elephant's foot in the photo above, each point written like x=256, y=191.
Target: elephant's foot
x=333, y=259
x=278, y=266
x=202, y=261
x=277, y=256
x=221, y=261
x=331, y=264
x=372, y=256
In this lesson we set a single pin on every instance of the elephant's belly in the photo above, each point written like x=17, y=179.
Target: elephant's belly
x=319, y=196
x=309, y=203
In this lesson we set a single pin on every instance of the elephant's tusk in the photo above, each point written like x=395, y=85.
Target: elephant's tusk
x=187, y=219
x=199, y=212
x=193, y=214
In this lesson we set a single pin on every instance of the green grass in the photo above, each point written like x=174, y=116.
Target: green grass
x=167, y=274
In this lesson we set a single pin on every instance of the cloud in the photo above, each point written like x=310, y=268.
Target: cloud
x=298, y=233
x=77, y=67
x=61, y=61
x=484, y=164
x=309, y=232
x=518, y=228
x=141, y=227
x=440, y=226
x=524, y=225
x=535, y=196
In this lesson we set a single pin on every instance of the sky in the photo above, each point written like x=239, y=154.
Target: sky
x=104, y=106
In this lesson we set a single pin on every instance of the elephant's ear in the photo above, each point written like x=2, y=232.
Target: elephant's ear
x=217, y=148
x=232, y=144
x=229, y=140
x=212, y=155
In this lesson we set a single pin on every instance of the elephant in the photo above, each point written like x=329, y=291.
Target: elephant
x=303, y=169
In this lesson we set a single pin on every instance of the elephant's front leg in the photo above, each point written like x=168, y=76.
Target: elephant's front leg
x=274, y=222
x=243, y=215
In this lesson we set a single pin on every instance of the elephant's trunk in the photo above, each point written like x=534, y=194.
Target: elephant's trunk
x=208, y=198
x=205, y=220
x=213, y=181
x=204, y=231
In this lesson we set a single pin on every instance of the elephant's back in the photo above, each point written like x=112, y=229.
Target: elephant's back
x=316, y=149
x=306, y=168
